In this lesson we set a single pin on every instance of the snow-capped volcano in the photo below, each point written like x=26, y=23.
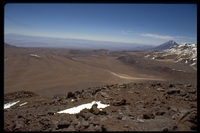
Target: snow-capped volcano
x=184, y=52
x=165, y=45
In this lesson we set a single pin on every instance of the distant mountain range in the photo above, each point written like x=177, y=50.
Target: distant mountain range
x=35, y=41
x=143, y=47
x=8, y=46
x=165, y=45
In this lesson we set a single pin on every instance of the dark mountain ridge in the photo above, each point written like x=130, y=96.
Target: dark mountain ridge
x=8, y=46
x=165, y=45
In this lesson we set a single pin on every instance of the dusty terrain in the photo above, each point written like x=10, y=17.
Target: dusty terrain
x=143, y=93
x=60, y=70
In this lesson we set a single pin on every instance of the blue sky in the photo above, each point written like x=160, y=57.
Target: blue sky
x=151, y=24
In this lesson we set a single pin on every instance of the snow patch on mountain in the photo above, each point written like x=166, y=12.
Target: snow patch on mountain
x=184, y=52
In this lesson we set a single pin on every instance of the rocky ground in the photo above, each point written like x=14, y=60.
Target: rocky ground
x=152, y=106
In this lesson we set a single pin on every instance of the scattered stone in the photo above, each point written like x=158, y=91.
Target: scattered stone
x=123, y=86
x=171, y=85
x=95, y=91
x=192, y=91
x=85, y=123
x=97, y=128
x=148, y=115
x=70, y=128
x=18, y=126
x=165, y=130
x=114, y=126
x=119, y=102
x=106, y=101
x=77, y=93
x=119, y=117
x=78, y=126
x=140, y=120
x=193, y=105
x=131, y=114
x=95, y=121
x=160, y=89
x=160, y=112
x=85, y=114
x=124, y=117
x=158, y=84
x=126, y=126
x=103, y=112
x=50, y=113
x=129, y=92
x=183, y=93
x=94, y=109
x=60, y=96
x=103, y=118
x=153, y=85
x=189, y=118
x=75, y=122
x=173, y=108
x=187, y=85
x=63, y=124
x=173, y=91
x=91, y=128
x=104, y=94
x=137, y=92
x=70, y=95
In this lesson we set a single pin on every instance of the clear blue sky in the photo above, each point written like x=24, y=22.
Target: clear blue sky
x=133, y=23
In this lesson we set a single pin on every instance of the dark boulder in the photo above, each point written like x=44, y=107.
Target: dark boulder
x=94, y=109
x=119, y=102
x=70, y=95
x=148, y=115
x=173, y=91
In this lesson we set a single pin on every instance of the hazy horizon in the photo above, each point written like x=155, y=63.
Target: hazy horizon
x=38, y=41
x=100, y=25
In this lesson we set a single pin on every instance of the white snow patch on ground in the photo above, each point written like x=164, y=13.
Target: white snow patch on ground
x=180, y=70
x=77, y=109
x=8, y=105
x=193, y=64
x=186, y=61
x=178, y=60
x=147, y=55
x=35, y=55
x=23, y=104
x=6, y=59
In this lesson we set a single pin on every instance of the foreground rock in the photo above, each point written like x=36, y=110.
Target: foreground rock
x=151, y=106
